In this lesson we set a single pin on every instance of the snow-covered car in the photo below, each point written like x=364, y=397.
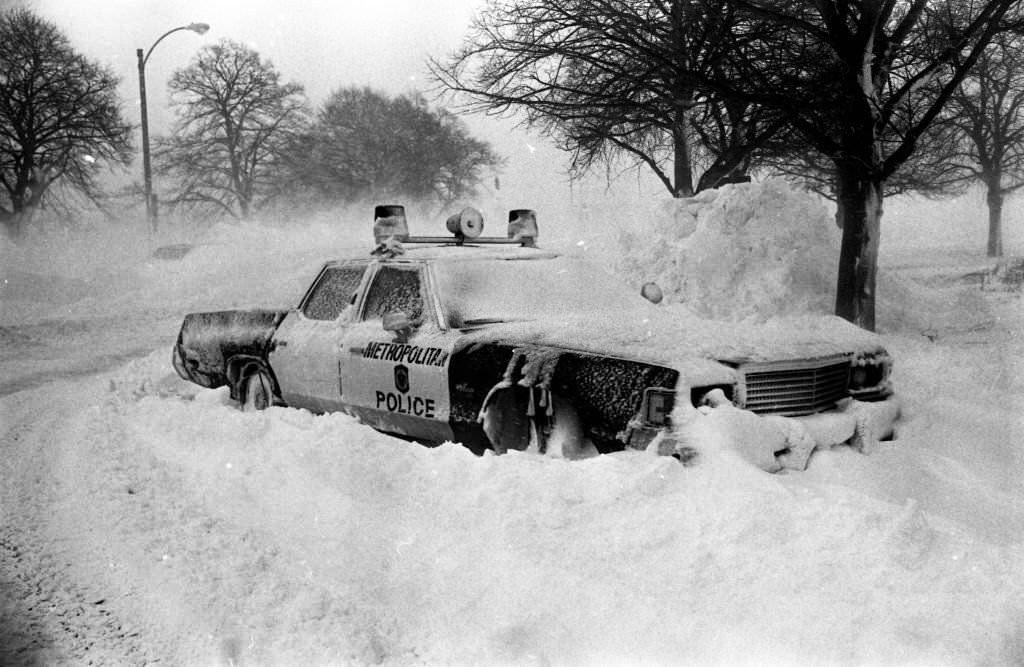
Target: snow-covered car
x=497, y=344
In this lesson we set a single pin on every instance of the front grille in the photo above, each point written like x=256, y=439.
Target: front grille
x=794, y=387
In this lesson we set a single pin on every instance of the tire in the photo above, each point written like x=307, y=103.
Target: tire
x=257, y=391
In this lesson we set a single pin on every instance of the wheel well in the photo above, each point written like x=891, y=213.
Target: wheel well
x=240, y=368
x=605, y=392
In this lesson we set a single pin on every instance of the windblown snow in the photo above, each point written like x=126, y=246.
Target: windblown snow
x=144, y=519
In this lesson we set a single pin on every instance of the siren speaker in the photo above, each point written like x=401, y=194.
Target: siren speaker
x=468, y=222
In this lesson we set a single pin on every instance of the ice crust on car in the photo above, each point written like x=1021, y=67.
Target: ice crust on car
x=567, y=301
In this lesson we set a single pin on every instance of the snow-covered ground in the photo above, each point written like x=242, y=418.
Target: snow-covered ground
x=143, y=519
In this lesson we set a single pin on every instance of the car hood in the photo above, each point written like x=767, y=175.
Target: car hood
x=676, y=337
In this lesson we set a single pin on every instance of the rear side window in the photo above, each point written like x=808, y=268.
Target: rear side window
x=395, y=290
x=333, y=293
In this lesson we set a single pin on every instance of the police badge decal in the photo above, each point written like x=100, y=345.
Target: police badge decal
x=401, y=378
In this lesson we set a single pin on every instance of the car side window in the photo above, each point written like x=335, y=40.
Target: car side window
x=333, y=293
x=395, y=289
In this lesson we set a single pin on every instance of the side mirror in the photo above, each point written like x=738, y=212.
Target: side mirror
x=652, y=292
x=398, y=323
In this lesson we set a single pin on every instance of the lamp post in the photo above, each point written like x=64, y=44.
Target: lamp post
x=199, y=28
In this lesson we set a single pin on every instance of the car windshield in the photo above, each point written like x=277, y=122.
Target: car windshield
x=508, y=290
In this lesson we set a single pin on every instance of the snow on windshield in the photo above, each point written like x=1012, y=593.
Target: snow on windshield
x=489, y=290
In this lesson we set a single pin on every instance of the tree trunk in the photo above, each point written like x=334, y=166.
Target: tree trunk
x=712, y=176
x=243, y=209
x=14, y=219
x=10, y=222
x=995, y=221
x=682, y=93
x=682, y=173
x=860, y=215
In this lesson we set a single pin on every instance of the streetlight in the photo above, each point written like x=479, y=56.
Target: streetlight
x=199, y=28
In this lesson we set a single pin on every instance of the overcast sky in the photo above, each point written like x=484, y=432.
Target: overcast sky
x=320, y=43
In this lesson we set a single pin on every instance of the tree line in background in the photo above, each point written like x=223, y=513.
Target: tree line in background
x=243, y=139
x=856, y=99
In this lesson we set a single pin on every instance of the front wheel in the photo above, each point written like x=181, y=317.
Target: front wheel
x=257, y=391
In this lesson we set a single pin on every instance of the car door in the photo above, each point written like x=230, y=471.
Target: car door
x=305, y=358
x=398, y=381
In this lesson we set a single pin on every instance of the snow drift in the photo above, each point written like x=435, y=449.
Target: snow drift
x=746, y=251
x=143, y=519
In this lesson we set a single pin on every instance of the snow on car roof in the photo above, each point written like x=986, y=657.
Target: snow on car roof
x=470, y=251
x=451, y=251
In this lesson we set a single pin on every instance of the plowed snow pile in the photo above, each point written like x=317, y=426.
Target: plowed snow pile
x=143, y=519
x=742, y=252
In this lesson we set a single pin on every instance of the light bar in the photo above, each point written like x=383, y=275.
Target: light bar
x=390, y=226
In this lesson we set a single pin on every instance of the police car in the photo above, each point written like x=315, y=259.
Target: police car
x=497, y=344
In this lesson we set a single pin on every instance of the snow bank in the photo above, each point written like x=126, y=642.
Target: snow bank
x=746, y=251
x=759, y=251
x=286, y=538
x=283, y=537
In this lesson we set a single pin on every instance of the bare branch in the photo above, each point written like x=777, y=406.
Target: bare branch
x=60, y=118
x=604, y=78
x=235, y=121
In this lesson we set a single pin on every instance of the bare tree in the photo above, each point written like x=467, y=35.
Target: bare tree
x=934, y=170
x=611, y=79
x=60, y=117
x=235, y=121
x=988, y=112
x=365, y=144
x=862, y=81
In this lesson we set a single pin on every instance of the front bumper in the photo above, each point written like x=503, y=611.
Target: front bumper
x=774, y=443
x=858, y=423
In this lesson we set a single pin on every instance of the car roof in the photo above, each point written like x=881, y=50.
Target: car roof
x=452, y=252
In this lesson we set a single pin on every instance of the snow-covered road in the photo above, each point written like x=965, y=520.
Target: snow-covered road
x=145, y=520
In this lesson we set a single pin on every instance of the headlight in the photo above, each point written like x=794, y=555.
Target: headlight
x=658, y=402
x=657, y=405
x=869, y=375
